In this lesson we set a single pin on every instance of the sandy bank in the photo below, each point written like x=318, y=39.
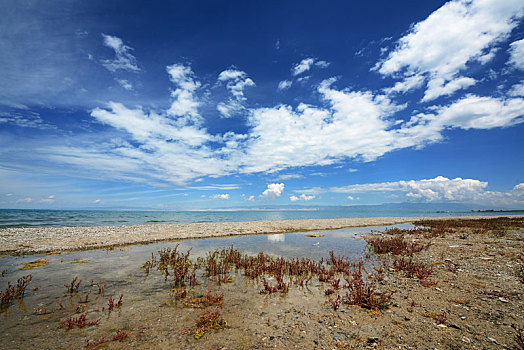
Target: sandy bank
x=23, y=241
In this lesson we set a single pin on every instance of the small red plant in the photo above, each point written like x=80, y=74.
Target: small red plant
x=335, y=302
x=329, y=291
x=79, y=321
x=73, y=286
x=440, y=318
x=13, y=293
x=120, y=335
x=427, y=283
x=112, y=304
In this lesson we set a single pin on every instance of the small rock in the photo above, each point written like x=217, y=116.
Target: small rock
x=492, y=340
x=466, y=340
x=503, y=300
x=372, y=340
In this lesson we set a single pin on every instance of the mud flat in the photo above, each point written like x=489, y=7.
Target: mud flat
x=442, y=285
x=23, y=241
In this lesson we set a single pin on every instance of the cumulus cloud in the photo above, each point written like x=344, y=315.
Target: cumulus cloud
x=517, y=90
x=97, y=201
x=273, y=191
x=440, y=47
x=220, y=196
x=123, y=58
x=302, y=197
x=440, y=189
x=184, y=102
x=236, y=81
x=431, y=190
x=474, y=112
x=516, y=52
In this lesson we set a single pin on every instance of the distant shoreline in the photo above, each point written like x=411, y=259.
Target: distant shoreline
x=40, y=240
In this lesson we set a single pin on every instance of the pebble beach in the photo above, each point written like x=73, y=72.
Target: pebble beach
x=24, y=241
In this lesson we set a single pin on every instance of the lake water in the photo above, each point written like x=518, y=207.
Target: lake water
x=54, y=218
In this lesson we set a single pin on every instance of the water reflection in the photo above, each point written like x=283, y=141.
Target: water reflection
x=276, y=238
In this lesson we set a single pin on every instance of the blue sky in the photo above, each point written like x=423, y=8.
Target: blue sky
x=187, y=105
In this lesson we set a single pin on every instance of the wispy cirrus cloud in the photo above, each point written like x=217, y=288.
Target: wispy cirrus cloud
x=26, y=119
x=123, y=60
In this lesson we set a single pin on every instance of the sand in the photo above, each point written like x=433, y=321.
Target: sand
x=24, y=241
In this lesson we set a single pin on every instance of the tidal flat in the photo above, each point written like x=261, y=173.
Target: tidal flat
x=442, y=284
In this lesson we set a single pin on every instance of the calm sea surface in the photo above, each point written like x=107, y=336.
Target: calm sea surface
x=57, y=218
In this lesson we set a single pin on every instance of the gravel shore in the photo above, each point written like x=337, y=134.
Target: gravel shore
x=24, y=241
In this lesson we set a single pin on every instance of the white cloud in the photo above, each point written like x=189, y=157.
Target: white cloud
x=216, y=187
x=97, y=201
x=25, y=200
x=123, y=58
x=125, y=84
x=290, y=176
x=236, y=81
x=273, y=191
x=303, y=66
x=248, y=198
x=50, y=199
x=230, y=108
x=441, y=46
x=474, y=112
x=516, y=52
x=407, y=84
x=351, y=198
x=439, y=87
x=185, y=103
x=440, y=189
x=25, y=120
x=302, y=197
x=220, y=196
x=437, y=189
x=517, y=90
x=284, y=85
x=8, y=194
x=173, y=146
x=322, y=64
x=306, y=64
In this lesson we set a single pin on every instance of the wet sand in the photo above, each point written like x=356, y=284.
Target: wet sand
x=24, y=241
